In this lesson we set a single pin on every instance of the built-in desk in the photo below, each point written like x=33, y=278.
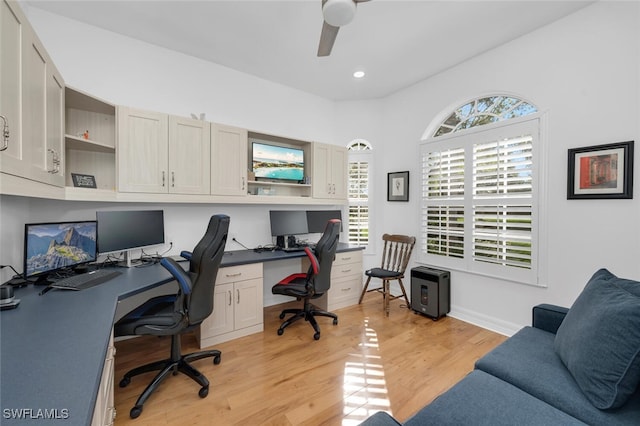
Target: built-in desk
x=53, y=347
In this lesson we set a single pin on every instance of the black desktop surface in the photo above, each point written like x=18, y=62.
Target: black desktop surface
x=54, y=346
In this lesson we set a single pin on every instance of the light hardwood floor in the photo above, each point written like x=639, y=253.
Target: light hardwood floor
x=367, y=363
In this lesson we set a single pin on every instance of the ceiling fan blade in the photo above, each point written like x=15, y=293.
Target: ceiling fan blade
x=327, y=38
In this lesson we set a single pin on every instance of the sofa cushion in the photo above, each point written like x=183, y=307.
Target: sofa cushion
x=527, y=360
x=482, y=399
x=599, y=340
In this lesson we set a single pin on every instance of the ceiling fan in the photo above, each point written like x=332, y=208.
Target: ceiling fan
x=336, y=14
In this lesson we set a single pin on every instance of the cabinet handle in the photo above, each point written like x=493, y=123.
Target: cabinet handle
x=163, y=178
x=238, y=293
x=328, y=188
x=344, y=271
x=173, y=179
x=346, y=258
x=55, y=161
x=243, y=184
x=237, y=274
x=346, y=289
x=230, y=297
x=5, y=133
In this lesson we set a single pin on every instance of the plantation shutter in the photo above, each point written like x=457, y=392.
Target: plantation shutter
x=502, y=202
x=358, y=202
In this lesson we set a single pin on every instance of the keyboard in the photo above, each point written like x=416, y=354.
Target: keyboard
x=86, y=280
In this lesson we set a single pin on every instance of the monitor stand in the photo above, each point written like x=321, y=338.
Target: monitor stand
x=126, y=262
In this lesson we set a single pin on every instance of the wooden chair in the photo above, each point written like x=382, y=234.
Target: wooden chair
x=395, y=258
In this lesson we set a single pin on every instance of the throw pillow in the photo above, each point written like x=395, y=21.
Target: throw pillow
x=599, y=340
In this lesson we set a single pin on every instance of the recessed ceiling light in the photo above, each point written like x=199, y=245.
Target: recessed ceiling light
x=358, y=74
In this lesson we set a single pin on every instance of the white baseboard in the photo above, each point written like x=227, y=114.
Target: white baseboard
x=481, y=320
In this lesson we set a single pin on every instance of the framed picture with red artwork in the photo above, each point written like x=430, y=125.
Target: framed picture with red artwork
x=601, y=171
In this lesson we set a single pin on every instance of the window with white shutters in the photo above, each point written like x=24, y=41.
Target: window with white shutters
x=480, y=191
x=358, y=192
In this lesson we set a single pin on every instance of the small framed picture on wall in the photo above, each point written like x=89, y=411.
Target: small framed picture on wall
x=398, y=186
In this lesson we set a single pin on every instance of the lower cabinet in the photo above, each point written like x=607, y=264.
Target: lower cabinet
x=104, y=413
x=237, y=305
x=346, y=280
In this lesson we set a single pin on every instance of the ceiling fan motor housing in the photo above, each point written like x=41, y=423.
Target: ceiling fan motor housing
x=339, y=12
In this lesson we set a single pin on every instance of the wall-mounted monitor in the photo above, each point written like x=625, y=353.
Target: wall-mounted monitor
x=124, y=230
x=278, y=163
x=49, y=247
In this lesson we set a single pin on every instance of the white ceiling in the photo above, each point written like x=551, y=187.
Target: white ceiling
x=396, y=42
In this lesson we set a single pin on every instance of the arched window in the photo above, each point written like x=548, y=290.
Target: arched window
x=359, y=191
x=478, y=112
x=480, y=189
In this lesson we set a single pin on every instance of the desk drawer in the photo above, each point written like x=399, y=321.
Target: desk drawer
x=348, y=257
x=344, y=292
x=239, y=273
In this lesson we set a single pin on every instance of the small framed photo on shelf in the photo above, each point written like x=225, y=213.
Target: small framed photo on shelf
x=83, y=181
x=398, y=186
x=601, y=171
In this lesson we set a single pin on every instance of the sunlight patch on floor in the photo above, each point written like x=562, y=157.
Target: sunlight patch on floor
x=364, y=388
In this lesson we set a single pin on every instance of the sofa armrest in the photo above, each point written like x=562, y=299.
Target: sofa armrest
x=548, y=317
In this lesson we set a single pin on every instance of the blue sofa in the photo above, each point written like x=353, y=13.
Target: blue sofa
x=572, y=366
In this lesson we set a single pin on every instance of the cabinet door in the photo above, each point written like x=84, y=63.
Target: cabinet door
x=31, y=96
x=228, y=160
x=248, y=300
x=143, y=149
x=321, y=175
x=12, y=159
x=54, y=155
x=189, y=156
x=339, y=172
x=221, y=320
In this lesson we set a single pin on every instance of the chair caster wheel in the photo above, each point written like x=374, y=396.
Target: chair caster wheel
x=125, y=382
x=216, y=359
x=135, y=412
x=282, y=315
x=335, y=322
x=203, y=392
x=316, y=336
x=280, y=332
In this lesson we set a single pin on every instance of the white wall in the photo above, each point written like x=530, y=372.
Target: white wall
x=583, y=72
x=129, y=72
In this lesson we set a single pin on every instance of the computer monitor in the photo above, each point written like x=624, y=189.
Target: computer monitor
x=285, y=224
x=317, y=219
x=125, y=230
x=49, y=247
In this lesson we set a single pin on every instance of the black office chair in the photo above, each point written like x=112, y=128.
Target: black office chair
x=314, y=283
x=175, y=314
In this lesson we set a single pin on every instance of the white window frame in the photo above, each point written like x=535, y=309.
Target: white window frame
x=531, y=124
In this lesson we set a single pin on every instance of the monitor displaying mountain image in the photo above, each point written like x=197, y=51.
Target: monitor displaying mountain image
x=52, y=246
x=278, y=162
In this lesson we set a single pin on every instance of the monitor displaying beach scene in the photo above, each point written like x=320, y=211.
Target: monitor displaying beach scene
x=278, y=162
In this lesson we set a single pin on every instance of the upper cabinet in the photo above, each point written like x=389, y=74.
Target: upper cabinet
x=158, y=153
x=228, y=160
x=31, y=102
x=329, y=171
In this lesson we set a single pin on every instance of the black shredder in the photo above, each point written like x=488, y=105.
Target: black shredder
x=430, y=291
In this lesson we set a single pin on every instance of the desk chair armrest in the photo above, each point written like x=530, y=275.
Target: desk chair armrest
x=313, y=260
x=178, y=273
x=186, y=254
